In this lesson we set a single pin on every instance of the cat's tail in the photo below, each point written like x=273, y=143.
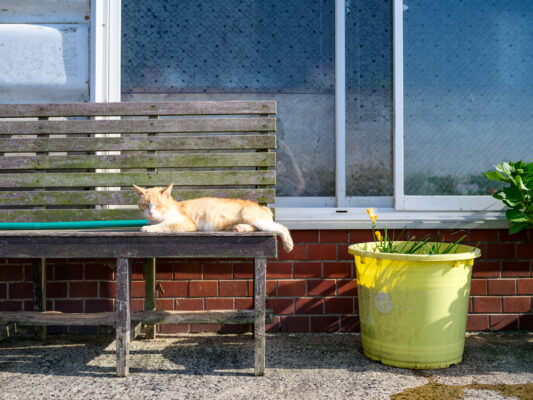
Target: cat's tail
x=271, y=226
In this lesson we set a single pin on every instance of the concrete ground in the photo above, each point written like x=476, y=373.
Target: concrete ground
x=299, y=366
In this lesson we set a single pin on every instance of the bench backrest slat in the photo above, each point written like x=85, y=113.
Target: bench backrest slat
x=184, y=160
x=123, y=197
x=133, y=143
x=160, y=108
x=125, y=179
x=131, y=126
x=58, y=170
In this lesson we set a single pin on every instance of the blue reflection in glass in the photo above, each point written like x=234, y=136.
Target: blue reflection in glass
x=468, y=92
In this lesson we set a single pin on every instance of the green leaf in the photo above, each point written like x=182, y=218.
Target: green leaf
x=512, y=196
x=496, y=176
x=518, y=165
x=516, y=216
x=499, y=195
x=520, y=183
x=520, y=226
x=503, y=196
x=504, y=168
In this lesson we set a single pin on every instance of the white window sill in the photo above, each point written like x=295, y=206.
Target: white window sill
x=356, y=218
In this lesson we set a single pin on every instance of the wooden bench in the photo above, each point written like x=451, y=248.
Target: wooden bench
x=77, y=162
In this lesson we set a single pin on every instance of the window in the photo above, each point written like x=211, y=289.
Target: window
x=467, y=90
x=369, y=98
x=380, y=103
x=234, y=49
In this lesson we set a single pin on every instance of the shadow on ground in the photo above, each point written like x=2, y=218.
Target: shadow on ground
x=232, y=355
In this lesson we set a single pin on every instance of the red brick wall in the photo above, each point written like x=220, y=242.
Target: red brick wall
x=311, y=289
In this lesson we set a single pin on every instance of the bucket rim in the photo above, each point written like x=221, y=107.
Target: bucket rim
x=365, y=250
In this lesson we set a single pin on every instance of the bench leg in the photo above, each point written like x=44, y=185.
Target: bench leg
x=259, y=307
x=149, y=294
x=39, y=292
x=123, y=315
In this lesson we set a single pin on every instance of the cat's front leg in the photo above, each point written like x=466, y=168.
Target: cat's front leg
x=168, y=228
x=153, y=228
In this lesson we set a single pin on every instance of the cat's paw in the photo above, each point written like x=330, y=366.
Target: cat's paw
x=148, y=228
x=243, y=228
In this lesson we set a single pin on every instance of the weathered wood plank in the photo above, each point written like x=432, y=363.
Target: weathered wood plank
x=199, y=317
x=57, y=318
x=149, y=317
x=127, y=126
x=132, y=244
x=39, y=284
x=139, y=143
x=125, y=161
x=149, y=272
x=259, y=311
x=188, y=178
x=39, y=291
x=144, y=108
x=149, y=293
x=123, y=315
x=6, y=331
x=124, y=197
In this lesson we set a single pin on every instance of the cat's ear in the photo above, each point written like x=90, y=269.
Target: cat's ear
x=139, y=190
x=166, y=191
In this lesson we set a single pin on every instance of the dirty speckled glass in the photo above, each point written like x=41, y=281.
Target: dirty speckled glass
x=369, y=98
x=468, y=92
x=244, y=49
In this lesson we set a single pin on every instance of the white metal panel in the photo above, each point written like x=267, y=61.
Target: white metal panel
x=452, y=203
x=351, y=202
x=357, y=218
x=340, y=102
x=44, y=11
x=44, y=63
x=105, y=64
x=398, y=151
x=106, y=51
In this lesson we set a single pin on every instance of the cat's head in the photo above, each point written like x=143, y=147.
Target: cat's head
x=155, y=202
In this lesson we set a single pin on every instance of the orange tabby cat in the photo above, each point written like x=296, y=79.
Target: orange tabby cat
x=206, y=214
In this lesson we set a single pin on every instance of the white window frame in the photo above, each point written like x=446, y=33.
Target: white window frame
x=409, y=202
x=105, y=85
x=105, y=50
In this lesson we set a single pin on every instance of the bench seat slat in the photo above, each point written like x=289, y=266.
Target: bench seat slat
x=127, y=126
x=139, y=143
x=191, y=160
x=182, y=178
x=124, y=197
x=152, y=317
x=141, y=108
x=134, y=244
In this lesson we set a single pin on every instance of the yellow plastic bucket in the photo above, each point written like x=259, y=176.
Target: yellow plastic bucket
x=413, y=307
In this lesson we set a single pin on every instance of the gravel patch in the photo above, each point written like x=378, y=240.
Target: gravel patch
x=492, y=358
x=471, y=394
x=299, y=366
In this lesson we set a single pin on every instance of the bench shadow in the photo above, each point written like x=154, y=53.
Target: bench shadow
x=219, y=355
x=233, y=355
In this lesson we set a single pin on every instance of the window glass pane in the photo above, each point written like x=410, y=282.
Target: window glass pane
x=368, y=98
x=468, y=92
x=244, y=49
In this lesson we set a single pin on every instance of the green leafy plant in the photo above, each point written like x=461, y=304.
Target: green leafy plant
x=517, y=195
x=387, y=244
